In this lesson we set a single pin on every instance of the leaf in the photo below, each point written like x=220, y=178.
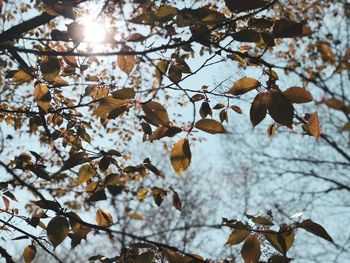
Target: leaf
x=181, y=156
x=297, y=95
x=29, y=253
x=335, y=104
x=279, y=259
x=287, y=29
x=126, y=63
x=103, y=218
x=74, y=160
x=205, y=110
x=258, y=109
x=281, y=241
x=280, y=108
x=146, y=257
x=223, y=115
x=236, y=109
x=50, y=67
x=243, y=6
x=210, y=126
x=315, y=229
x=135, y=37
x=126, y=93
x=42, y=96
x=175, y=73
x=313, y=125
x=110, y=108
x=326, y=52
x=156, y=113
x=260, y=220
x=142, y=193
x=22, y=77
x=251, y=250
x=247, y=35
x=85, y=173
x=197, y=97
x=136, y=216
x=243, y=85
x=176, y=201
x=271, y=130
x=237, y=236
x=57, y=230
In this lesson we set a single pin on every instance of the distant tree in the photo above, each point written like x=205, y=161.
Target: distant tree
x=85, y=85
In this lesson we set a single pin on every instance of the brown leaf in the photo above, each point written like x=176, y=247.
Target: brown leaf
x=103, y=218
x=243, y=85
x=281, y=241
x=42, y=96
x=29, y=253
x=258, y=109
x=111, y=107
x=50, y=67
x=287, y=29
x=313, y=125
x=315, y=229
x=125, y=93
x=57, y=230
x=251, y=250
x=205, y=110
x=298, y=95
x=237, y=236
x=280, y=108
x=176, y=201
x=156, y=113
x=210, y=126
x=181, y=156
x=126, y=62
x=243, y=6
x=335, y=104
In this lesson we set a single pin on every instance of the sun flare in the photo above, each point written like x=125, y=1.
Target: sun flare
x=95, y=32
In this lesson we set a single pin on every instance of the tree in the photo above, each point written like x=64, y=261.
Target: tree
x=80, y=94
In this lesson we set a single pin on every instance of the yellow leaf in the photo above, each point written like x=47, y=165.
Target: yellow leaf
x=136, y=216
x=42, y=96
x=243, y=85
x=181, y=156
x=103, y=218
x=22, y=77
x=85, y=173
x=210, y=126
x=142, y=193
x=237, y=236
x=326, y=52
x=50, y=68
x=57, y=230
x=29, y=253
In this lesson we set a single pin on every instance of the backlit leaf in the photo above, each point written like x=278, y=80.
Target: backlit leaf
x=125, y=93
x=42, y=96
x=281, y=241
x=29, y=253
x=86, y=172
x=181, y=156
x=136, y=216
x=110, y=108
x=142, y=193
x=313, y=125
x=243, y=85
x=57, y=230
x=103, y=218
x=22, y=77
x=210, y=126
x=50, y=67
x=126, y=63
x=156, y=113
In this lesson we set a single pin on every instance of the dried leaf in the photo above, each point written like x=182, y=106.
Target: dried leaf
x=181, y=156
x=237, y=236
x=298, y=95
x=156, y=113
x=29, y=253
x=251, y=250
x=103, y=218
x=50, y=67
x=42, y=96
x=313, y=125
x=85, y=173
x=315, y=229
x=280, y=108
x=210, y=126
x=258, y=109
x=243, y=85
x=57, y=230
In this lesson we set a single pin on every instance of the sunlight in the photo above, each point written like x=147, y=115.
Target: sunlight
x=95, y=32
